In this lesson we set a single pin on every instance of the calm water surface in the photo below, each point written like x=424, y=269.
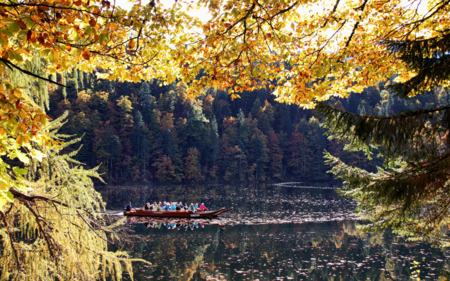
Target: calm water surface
x=276, y=231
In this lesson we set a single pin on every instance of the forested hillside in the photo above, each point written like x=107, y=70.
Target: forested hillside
x=150, y=132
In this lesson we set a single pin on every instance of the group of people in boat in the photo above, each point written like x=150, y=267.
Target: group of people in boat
x=167, y=206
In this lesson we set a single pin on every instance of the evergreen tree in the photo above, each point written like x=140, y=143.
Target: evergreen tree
x=265, y=118
x=260, y=154
x=155, y=134
x=214, y=141
x=316, y=144
x=167, y=101
x=244, y=142
x=141, y=143
x=146, y=101
x=99, y=101
x=256, y=107
x=410, y=192
x=84, y=129
x=299, y=154
x=192, y=164
x=275, y=156
x=285, y=121
x=229, y=166
x=108, y=149
x=195, y=128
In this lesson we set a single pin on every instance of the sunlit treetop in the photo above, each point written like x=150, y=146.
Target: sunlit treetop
x=312, y=49
x=92, y=35
x=301, y=49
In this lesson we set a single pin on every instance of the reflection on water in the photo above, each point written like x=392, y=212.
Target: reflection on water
x=175, y=223
x=275, y=232
x=253, y=204
x=310, y=251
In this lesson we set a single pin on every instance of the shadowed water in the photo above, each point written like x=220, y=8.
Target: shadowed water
x=253, y=204
x=282, y=231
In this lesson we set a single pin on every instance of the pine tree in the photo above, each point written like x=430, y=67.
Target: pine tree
x=126, y=120
x=84, y=128
x=167, y=101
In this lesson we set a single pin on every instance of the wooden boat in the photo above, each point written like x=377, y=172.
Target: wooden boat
x=175, y=214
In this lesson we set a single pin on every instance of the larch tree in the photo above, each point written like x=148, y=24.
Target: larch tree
x=39, y=38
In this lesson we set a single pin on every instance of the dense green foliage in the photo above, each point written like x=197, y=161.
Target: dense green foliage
x=150, y=132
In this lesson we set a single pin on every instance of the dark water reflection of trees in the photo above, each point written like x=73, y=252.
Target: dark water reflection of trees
x=252, y=203
x=323, y=243
x=310, y=251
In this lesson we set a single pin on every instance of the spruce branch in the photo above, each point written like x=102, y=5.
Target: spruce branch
x=413, y=135
x=428, y=57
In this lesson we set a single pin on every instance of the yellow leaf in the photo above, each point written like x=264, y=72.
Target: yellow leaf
x=4, y=186
x=21, y=51
x=17, y=93
x=55, y=54
x=113, y=26
x=19, y=140
x=22, y=157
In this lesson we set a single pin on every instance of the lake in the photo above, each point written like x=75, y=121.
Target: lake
x=283, y=231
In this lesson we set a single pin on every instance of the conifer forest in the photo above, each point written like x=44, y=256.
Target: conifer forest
x=146, y=132
x=283, y=140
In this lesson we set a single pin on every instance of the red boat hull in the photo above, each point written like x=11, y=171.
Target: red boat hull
x=175, y=214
